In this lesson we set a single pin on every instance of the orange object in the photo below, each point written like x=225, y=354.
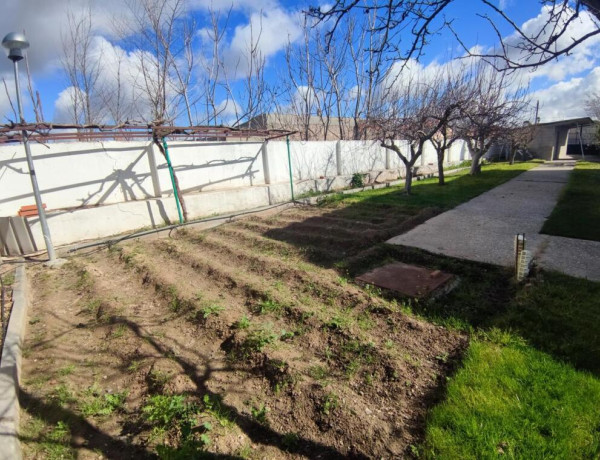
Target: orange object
x=28, y=211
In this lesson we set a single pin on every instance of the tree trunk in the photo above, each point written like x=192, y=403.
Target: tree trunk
x=440, y=161
x=475, y=164
x=513, y=154
x=408, y=179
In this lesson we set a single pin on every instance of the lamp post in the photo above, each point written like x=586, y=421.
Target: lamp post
x=16, y=43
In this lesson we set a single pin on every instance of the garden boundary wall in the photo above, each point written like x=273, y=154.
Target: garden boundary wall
x=97, y=189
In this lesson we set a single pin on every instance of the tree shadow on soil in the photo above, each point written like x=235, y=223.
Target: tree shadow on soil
x=113, y=447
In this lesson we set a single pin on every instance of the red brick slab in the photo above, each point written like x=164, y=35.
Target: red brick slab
x=409, y=280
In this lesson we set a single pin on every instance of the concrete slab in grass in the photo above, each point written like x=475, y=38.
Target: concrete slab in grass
x=10, y=370
x=408, y=280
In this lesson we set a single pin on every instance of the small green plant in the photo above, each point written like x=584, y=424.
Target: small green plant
x=286, y=335
x=208, y=310
x=290, y=441
x=157, y=380
x=257, y=340
x=164, y=410
x=84, y=280
x=134, y=365
x=213, y=405
x=389, y=344
x=245, y=451
x=8, y=279
x=175, y=303
x=443, y=357
x=339, y=321
x=119, y=331
x=269, y=306
x=329, y=403
x=67, y=370
x=62, y=395
x=242, y=323
x=61, y=433
x=97, y=404
x=357, y=180
x=92, y=306
x=365, y=322
x=260, y=413
x=318, y=372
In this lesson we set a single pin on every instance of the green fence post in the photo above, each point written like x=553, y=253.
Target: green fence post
x=164, y=140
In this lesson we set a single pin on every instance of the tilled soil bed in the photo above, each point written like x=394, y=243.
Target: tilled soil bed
x=244, y=341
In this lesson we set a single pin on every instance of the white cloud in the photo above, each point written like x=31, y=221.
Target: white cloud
x=43, y=21
x=63, y=106
x=567, y=99
x=269, y=31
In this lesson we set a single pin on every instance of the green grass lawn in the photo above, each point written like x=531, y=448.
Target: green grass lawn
x=577, y=214
x=529, y=383
x=512, y=401
x=460, y=187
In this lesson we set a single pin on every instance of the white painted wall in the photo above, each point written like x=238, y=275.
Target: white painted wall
x=97, y=189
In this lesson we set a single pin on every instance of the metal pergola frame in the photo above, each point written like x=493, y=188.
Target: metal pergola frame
x=55, y=132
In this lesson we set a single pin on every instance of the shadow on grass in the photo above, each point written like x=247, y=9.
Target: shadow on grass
x=555, y=313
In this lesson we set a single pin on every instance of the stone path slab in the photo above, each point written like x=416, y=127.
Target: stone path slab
x=483, y=229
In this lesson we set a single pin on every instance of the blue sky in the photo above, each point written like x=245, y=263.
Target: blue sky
x=561, y=87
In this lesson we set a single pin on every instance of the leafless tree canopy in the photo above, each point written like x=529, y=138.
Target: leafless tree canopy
x=496, y=106
x=406, y=27
x=417, y=110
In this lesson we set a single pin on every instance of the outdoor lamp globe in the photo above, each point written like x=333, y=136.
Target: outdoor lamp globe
x=15, y=42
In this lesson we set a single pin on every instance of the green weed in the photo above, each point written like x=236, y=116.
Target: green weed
x=269, y=306
x=119, y=331
x=242, y=323
x=318, y=372
x=290, y=441
x=259, y=413
x=95, y=403
x=329, y=403
x=213, y=405
x=67, y=370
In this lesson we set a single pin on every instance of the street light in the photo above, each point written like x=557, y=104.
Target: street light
x=16, y=43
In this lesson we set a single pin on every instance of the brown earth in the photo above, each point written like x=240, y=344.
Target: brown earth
x=253, y=324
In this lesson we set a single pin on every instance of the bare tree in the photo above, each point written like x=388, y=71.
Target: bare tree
x=424, y=18
x=81, y=68
x=412, y=111
x=118, y=98
x=495, y=108
x=161, y=33
x=213, y=69
x=251, y=97
x=519, y=138
x=454, y=95
x=592, y=105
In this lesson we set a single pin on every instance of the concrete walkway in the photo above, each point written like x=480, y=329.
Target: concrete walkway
x=484, y=228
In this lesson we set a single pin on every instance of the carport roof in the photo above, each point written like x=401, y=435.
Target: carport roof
x=571, y=123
